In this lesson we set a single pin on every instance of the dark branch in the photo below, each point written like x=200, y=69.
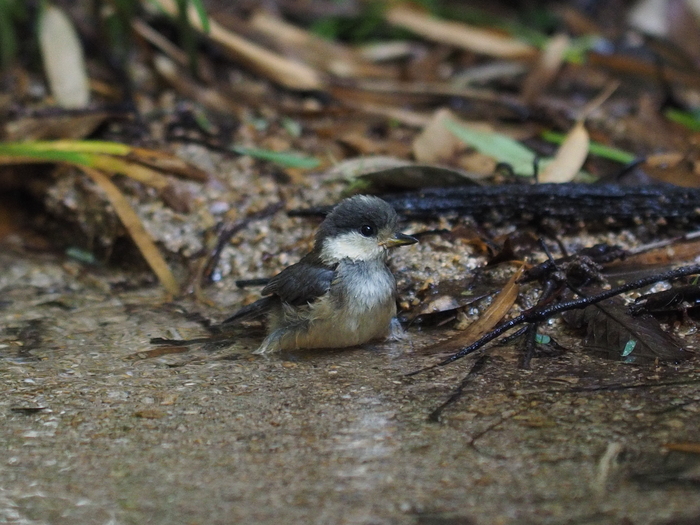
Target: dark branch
x=539, y=314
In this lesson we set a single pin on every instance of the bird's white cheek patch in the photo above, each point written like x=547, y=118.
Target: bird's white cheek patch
x=351, y=246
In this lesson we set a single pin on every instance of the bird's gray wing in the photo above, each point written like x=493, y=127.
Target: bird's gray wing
x=301, y=283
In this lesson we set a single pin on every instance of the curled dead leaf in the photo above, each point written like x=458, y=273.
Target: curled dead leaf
x=64, y=62
x=289, y=73
x=133, y=225
x=457, y=34
x=436, y=143
x=570, y=156
x=546, y=69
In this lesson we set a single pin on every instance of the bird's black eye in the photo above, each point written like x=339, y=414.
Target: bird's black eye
x=367, y=230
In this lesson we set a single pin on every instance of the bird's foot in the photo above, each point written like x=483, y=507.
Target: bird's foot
x=396, y=331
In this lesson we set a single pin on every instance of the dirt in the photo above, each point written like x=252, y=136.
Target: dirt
x=97, y=430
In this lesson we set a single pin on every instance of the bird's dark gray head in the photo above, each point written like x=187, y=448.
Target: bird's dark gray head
x=358, y=212
x=360, y=228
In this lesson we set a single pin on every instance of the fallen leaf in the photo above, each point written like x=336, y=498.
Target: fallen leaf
x=674, y=168
x=358, y=166
x=436, y=143
x=288, y=159
x=211, y=98
x=62, y=55
x=159, y=352
x=319, y=52
x=595, y=148
x=108, y=156
x=569, y=158
x=496, y=311
x=496, y=145
x=133, y=225
x=448, y=295
x=49, y=127
x=457, y=34
x=613, y=332
x=289, y=73
x=546, y=69
x=693, y=448
x=150, y=413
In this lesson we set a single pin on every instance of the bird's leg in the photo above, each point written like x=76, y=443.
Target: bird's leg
x=396, y=331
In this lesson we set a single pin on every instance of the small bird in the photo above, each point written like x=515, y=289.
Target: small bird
x=341, y=293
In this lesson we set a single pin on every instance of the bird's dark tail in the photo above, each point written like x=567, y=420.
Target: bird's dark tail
x=253, y=311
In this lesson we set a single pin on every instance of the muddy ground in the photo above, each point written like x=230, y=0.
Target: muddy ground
x=96, y=430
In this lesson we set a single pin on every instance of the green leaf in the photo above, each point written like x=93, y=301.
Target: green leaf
x=689, y=119
x=44, y=155
x=202, y=14
x=288, y=159
x=498, y=146
x=40, y=147
x=291, y=126
x=579, y=48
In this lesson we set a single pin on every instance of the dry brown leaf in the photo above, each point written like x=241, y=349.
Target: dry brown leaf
x=599, y=100
x=664, y=160
x=64, y=62
x=478, y=163
x=674, y=168
x=457, y=34
x=577, y=22
x=569, y=157
x=133, y=225
x=289, y=73
x=171, y=50
x=546, y=69
x=330, y=56
x=210, y=98
x=498, y=309
x=361, y=143
x=358, y=166
x=159, y=352
x=167, y=162
x=406, y=117
x=672, y=251
x=386, y=51
x=436, y=143
x=132, y=170
x=107, y=163
x=51, y=127
x=637, y=66
x=693, y=448
x=684, y=27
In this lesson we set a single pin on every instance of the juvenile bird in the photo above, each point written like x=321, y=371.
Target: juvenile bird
x=341, y=293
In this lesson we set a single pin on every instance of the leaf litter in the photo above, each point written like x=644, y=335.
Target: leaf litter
x=345, y=106
x=411, y=108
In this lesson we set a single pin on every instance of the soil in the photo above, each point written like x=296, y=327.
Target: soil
x=98, y=428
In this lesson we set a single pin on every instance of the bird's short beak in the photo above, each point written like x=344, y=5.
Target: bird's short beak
x=400, y=239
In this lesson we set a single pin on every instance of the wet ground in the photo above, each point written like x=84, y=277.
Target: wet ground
x=97, y=430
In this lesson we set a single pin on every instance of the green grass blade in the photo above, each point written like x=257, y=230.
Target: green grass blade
x=26, y=150
x=689, y=119
x=202, y=14
x=596, y=148
x=287, y=159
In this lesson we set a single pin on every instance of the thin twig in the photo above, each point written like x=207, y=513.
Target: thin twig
x=541, y=314
x=233, y=229
x=475, y=369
